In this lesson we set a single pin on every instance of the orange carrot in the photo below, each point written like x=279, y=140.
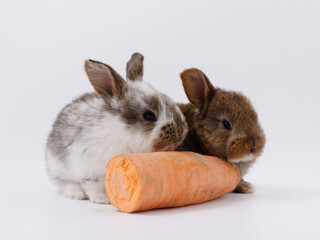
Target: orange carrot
x=137, y=182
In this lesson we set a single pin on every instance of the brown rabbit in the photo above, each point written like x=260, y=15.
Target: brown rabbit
x=221, y=123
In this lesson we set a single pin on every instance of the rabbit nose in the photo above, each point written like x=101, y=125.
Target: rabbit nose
x=170, y=129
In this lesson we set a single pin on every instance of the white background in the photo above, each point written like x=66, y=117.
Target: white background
x=269, y=50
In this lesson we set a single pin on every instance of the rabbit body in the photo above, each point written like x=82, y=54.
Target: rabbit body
x=120, y=117
x=221, y=123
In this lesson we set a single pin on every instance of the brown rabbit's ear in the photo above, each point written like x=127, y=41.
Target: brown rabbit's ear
x=105, y=80
x=198, y=88
x=135, y=67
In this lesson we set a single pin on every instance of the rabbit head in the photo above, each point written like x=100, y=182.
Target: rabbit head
x=157, y=120
x=223, y=121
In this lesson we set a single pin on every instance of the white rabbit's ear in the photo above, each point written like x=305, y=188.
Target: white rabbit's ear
x=198, y=88
x=135, y=67
x=105, y=80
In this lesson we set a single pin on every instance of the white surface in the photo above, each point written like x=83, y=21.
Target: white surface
x=269, y=50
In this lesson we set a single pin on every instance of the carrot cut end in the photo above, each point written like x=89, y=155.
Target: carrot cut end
x=123, y=183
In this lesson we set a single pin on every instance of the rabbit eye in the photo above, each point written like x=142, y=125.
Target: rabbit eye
x=149, y=116
x=226, y=125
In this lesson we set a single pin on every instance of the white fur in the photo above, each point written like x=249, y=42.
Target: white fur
x=250, y=157
x=89, y=156
x=73, y=190
x=104, y=138
x=143, y=86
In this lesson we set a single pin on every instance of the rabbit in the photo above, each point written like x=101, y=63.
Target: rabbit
x=221, y=123
x=119, y=117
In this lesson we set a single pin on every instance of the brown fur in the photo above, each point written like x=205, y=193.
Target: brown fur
x=208, y=108
x=135, y=67
x=171, y=133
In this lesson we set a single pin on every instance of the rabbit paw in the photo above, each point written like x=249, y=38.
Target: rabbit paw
x=73, y=191
x=244, y=187
x=100, y=198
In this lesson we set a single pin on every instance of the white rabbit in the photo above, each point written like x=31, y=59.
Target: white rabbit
x=120, y=117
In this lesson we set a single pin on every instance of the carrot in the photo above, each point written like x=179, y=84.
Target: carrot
x=137, y=182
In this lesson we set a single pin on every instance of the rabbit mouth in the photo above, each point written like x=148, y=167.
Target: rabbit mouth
x=168, y=148
x=250, y=157
x=171, y=147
